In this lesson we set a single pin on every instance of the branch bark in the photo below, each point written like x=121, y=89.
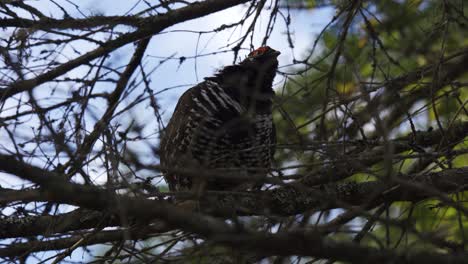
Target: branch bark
x=151, y=26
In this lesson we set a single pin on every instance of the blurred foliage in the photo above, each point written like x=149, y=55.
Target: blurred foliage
x=385, y=40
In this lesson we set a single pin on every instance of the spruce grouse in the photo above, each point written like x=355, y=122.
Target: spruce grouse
x=224, y=122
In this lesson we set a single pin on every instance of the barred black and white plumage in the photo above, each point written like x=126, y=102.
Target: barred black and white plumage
x=224, y=122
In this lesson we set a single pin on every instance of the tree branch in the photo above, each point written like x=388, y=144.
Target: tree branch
x=152, y=25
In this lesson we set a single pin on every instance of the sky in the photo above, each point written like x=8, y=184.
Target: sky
x=305, y=25
x=181, y=40
x=178, y=42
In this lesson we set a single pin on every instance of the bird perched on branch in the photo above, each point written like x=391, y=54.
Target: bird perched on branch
x=223, y=124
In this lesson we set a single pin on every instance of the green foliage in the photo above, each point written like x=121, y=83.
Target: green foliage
x=385, y=40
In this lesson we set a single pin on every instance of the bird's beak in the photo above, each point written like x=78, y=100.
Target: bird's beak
x=276, y=53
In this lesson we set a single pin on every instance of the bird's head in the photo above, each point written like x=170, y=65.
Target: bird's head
x=262, y=55
x=261, y=65
x=251, y=79
x=263, y=61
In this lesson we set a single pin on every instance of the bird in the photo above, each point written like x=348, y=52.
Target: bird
x=223, y=124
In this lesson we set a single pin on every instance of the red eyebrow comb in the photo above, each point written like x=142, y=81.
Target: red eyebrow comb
x=259, y=51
